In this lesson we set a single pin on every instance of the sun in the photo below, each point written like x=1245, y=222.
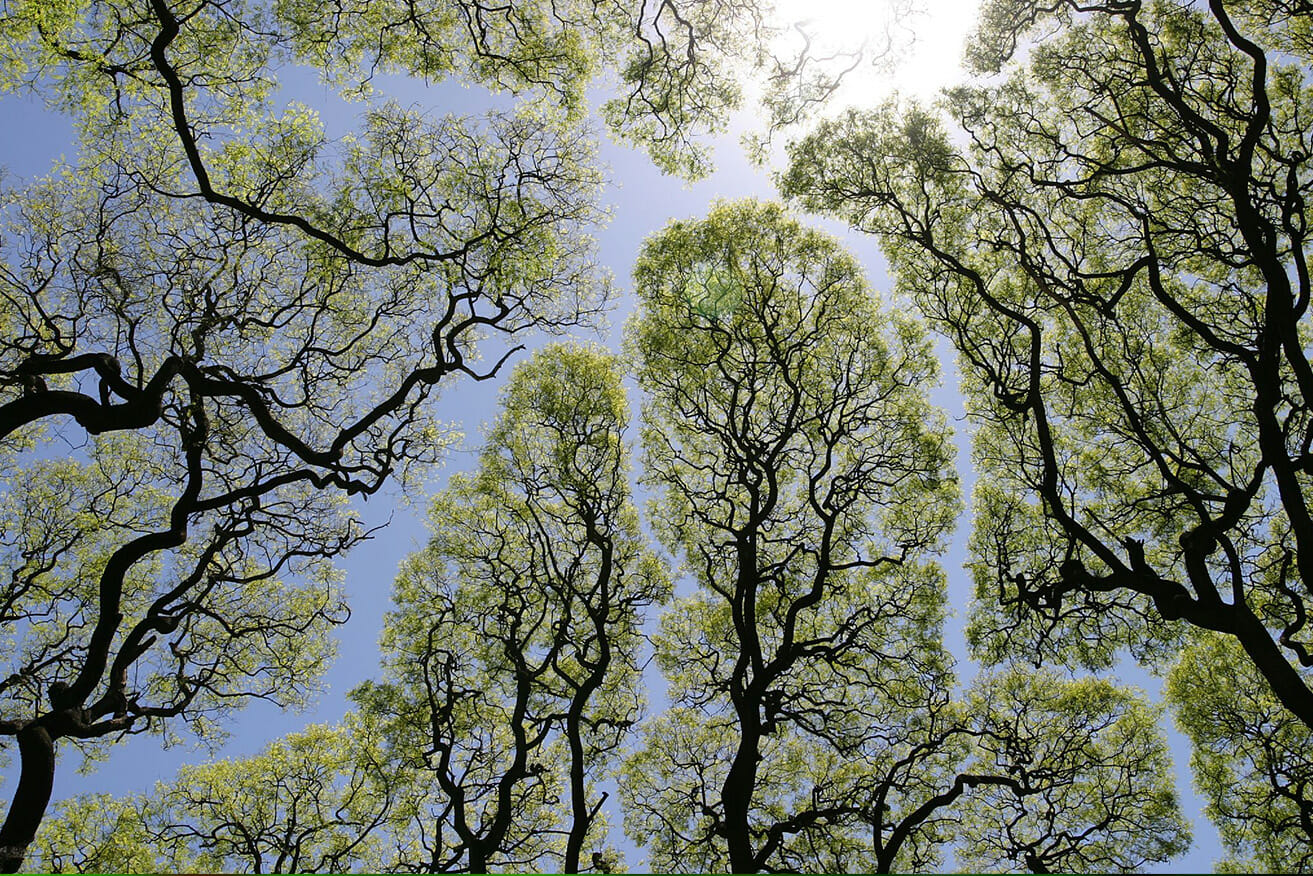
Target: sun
x=913, y=47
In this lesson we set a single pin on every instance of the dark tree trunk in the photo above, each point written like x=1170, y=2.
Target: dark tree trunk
x=737, y=797
x=36, y=779
x=582, y=814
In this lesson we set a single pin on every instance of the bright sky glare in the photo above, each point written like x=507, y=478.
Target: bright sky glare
x=928, y=40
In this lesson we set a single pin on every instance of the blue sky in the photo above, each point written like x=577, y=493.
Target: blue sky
x=642, y=201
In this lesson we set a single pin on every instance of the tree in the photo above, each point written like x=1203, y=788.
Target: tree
x=1250, y=759
x=233, y=340
x=512, y=658
x=807, y=534
x=1068, y=776
x=1113, y=237
x=317, y=801
x=807, y=482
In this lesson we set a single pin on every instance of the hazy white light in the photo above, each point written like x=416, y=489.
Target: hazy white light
x=843, y=19
x=927, y=42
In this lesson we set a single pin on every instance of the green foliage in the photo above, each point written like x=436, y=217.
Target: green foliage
x=282, y=345
x=237, y=324
x=1112, y=234
x=97, y=833
x=512, y=657
x=1251, y=758
x=805, y=480
x=238, y=321
x=316, y=801
x=511, y=678
x=780, y=355
x=1091, y=786
x=675, y=65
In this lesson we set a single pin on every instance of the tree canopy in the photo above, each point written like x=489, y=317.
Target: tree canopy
x=510, y=680
x=512, y=659
x=237, y=325
x=316, y=801
x=807, y=484
x=813, y=719
x=222, y=321
x=237, y=321
x=1113, y=237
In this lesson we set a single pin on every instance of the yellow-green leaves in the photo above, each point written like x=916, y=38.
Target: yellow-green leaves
x=512, y=657
x=807, y=484
x=1251, y=758
x=101, y=833
x=774, y=379
x=320, y=800
x=677, y=65
x=1086, y=784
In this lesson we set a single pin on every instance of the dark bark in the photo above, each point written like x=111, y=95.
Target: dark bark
x=736, y=797
x=582, y=814
x=36, y=751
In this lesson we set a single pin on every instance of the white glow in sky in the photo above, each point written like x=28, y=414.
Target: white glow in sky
x=928, y=40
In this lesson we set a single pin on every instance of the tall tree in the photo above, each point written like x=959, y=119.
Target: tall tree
x=1113, y=237
x=512, y=658
x=807, y=482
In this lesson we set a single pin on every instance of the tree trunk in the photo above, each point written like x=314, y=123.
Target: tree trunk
x=737, y=798
x=36, y=779
x=582, y=815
